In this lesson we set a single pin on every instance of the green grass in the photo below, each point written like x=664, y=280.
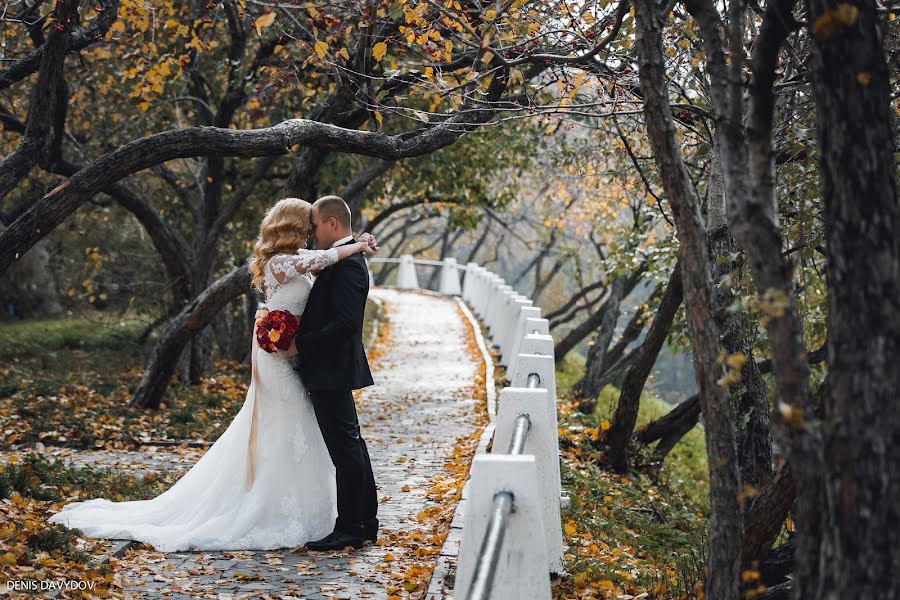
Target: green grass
x=568, y=372
x=91, y=332
x=45, y=354
x=685, y=467
x=54, y=480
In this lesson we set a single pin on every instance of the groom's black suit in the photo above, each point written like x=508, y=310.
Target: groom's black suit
x=331, y=362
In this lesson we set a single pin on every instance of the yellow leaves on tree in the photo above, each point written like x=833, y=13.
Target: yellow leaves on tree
x=379, y=50
x=264, y=21
x=734, y=363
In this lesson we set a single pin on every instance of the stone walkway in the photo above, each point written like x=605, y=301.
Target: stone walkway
x=421, y=420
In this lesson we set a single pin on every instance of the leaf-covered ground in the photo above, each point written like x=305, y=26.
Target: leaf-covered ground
x=630, y=536
x=67, y=382
x=32, y=486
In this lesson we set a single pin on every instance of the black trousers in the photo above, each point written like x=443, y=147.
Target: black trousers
x=357, y=500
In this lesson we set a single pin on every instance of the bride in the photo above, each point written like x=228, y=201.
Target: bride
x=268, y=481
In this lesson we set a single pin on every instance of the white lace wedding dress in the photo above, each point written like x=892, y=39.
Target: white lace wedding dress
x=292, y=496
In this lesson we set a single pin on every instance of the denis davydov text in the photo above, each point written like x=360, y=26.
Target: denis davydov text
x=33, y=585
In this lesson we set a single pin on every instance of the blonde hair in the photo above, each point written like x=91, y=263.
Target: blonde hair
x=283, y=230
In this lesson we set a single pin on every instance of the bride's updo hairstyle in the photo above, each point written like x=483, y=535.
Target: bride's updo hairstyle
x=284, y=229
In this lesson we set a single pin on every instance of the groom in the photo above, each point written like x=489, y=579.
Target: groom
x=331, y=362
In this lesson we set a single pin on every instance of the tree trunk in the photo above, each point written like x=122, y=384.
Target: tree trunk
x=764, y=518
x=848, y=540
x=192, y=319
x=47, y=104
x=725, y=514
x=632, y=331
x=618, y=438
x=586, y=388
x=738, y=336
x=739, y=332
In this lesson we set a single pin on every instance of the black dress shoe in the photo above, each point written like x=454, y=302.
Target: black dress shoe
x=336, y=540
x=371, y=527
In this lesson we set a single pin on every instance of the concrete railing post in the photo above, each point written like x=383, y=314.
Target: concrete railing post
x=512, y=535
x=469, y=284
x=406, y=277
x=540, y=442
x=519, y=331
x=521, y=569
x=494, y=309
x=449, y=285
x=545, y=367
x=510, y=319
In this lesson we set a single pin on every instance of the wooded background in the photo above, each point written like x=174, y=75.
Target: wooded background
x=707, y=189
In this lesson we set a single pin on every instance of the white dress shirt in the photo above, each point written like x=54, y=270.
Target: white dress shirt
x=343, y=240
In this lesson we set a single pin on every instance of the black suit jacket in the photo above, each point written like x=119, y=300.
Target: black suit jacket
x=330, y=354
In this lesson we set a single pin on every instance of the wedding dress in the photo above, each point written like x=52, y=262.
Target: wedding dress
x=292, y=497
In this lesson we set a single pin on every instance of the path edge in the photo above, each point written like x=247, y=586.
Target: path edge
x=446, y=562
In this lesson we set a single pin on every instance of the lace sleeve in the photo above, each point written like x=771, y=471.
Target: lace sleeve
x=288, y=266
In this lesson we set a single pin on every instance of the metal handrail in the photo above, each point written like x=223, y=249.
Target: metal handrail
x=418, y=261
x=489, y=553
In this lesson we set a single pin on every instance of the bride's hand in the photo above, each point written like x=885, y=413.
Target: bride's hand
x=371, y=245
x=365, y=248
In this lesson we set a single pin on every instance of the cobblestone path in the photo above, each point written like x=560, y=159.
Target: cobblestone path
x=421, y=420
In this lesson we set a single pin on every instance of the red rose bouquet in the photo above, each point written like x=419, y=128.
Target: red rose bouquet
x=276, y=330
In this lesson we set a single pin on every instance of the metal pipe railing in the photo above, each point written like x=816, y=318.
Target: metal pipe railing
x=517, y=442
x=418, y=261
x=489, y=553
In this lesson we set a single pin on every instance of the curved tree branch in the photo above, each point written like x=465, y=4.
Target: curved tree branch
x=51, y=210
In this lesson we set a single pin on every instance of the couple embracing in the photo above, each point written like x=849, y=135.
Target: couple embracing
x=292, y=467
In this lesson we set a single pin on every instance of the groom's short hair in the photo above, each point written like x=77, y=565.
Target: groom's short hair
x=333, y=206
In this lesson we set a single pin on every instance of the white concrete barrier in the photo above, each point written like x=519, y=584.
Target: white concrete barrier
x=496, y=303
x=469, y=283
x=449, y=285
x=521, y=572
x=406, y=277
x=519, y=331
x=508, y=330
x=541, y=443
x=545, y=367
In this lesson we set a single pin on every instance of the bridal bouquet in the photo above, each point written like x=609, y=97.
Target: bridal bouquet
x=276, y=330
